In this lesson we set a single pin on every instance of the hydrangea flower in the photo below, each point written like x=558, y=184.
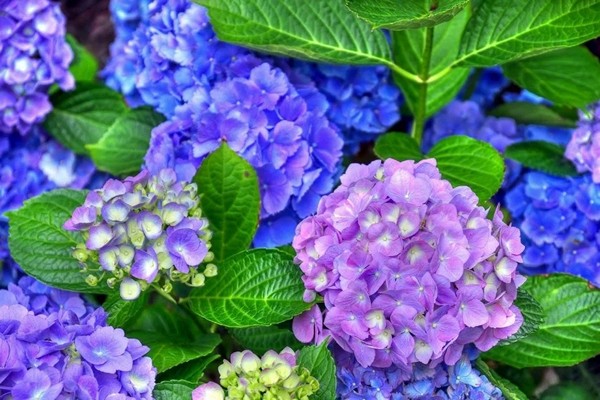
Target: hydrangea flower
x=121, y=71
x=33, y=56
x=457, y=382
x=363, y=101
x=273, y=376
x=56, y=346
x=560, y=220
x=282, y=133
x=143, y=231
x=584, y=147
x=31, y=165
x=490, y=83
x=410, y=269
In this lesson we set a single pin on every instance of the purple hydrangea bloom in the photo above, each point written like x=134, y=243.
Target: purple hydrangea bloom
x=31, y=165
x=280, y=131
x=33, y=56
x=56, y=346
x=584, y=147
x=120, y=71
x=142, y=231
x=411, y=270
x=363, y=101
x=272, y=376
x=457, y=382
x=560, y=220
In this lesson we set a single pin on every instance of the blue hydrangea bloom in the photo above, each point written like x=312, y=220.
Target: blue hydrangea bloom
x=31, y=165
x=33, y=56
x=489, y=85
x=458, y=382
x=120, y=71
x=55, y=346
x=364, y=102
x=280, y=130
x=560, y=220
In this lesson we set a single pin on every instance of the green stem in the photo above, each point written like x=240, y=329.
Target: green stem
x=421, y=111
x=164, y=294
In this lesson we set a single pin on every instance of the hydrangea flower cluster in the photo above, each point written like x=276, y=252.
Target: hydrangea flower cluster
x=283, y=134
x=273, y=376
x=560, y=220
x=457, y=382
x=411, y=270
x=142, y=231
x=363, y=101
x=33, y=56
x=31, y=165
x=120, y=72
x=55, y=346
x=584, y=146
x=179, y=57
x=490, y=83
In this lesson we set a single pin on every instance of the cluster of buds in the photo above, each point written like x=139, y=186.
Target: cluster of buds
x=143, y=231
x=275, y=376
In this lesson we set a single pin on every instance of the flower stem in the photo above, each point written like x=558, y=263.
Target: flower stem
x=421, y=111
x=164, y=294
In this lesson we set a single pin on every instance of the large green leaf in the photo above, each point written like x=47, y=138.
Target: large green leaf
x=529, y=113
x=191, y=371
x=230, y=199
x=409, y=47
x=253, y=288
x=82, y=116
x=408, y=14
x=533, y=316
x=399, y=146
x=568, y=76
x=122, y=312
x=466, y=161
x=318, y=360
x=318, y=30
x=170, y=351
x=41, y=246
x=506, y=30
x=541, y=156
x=571, y=331
x=124, y=144
x=509, y=390
x=173, y=390
x=260, y=339
x=84, y=66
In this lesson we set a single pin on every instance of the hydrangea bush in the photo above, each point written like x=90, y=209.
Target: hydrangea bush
x=300, y=200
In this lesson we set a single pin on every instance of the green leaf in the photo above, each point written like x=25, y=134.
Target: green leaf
x=41, y=246
x=253, y=288
x=82, y=116
x=167, y=320
x=124, y=144
x=318, y=360
x=170, y=351
x=191, y=371
x=568, y=76
x=542, y=156
x=509, y=390
x=460, y=160
x=571, y=331
x=84, y=66
x=122, y=312
x=409, y=48
x=568, y=390
x=317, y=30
x=399, y=146
x=532, y=114
x=230, y=199
x=533, y=316
x=506, y=30
x=409, y=14
x=173, y=390
x=264, y=338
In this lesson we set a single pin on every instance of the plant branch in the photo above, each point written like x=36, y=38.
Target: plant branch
x=421, y=111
